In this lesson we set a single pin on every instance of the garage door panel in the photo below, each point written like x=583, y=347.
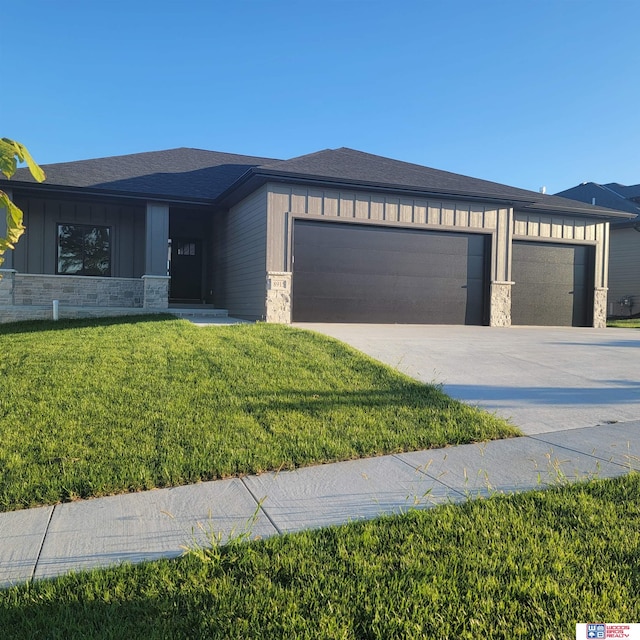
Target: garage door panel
x=395, y=263
x=349, y=273
x=363, y=287
x=343, y=236
x=553, y=284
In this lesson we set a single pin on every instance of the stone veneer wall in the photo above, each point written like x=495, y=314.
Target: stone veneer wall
x=80, y=291
x=500, y=304
x=156, y=292
x=600, y=308
x=30, y=297
x=279, y=297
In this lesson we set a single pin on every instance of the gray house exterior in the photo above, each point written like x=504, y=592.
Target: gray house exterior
x=624, y=242
x=335, y=236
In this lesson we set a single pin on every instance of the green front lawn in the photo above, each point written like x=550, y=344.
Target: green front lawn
x=90, y=408
x=628, y=323
x=525, y=566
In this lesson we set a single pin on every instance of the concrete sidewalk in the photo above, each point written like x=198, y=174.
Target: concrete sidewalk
x=51, y=541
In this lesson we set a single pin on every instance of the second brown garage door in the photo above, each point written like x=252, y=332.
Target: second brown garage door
x=365, y=273
x=553, y=284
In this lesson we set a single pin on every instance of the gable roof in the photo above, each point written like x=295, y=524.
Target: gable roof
x=212, y=177
x=612, y=195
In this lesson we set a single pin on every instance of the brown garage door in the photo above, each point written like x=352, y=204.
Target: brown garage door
x=553, y=284
x=364, y=273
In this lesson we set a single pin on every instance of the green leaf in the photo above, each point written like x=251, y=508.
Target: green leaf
x=8, y=163
x=9, y=150
x=15, y=228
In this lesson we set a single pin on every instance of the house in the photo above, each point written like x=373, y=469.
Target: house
x=334, y=236
x=624, y=242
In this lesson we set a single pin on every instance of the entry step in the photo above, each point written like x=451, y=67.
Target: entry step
x=198, y=312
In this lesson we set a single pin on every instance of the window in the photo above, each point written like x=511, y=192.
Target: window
x=84, y=250
x=185, y=248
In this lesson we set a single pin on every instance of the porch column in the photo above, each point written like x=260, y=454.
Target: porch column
x=500, y=294
x=156, y=280
x=157, y=240
x=8, y=254
x=156, y=292
x=601, y=280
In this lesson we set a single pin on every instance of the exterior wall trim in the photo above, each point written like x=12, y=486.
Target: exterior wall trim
x=545, y=239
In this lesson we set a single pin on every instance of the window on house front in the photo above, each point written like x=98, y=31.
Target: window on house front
x=84, y=250
x=185, y=248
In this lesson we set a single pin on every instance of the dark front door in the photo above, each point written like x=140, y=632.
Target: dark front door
x=366, y=273
x=553, y=284
x=186, y=269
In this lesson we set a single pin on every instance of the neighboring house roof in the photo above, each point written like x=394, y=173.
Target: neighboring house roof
x=196, y=175
x=611, y=195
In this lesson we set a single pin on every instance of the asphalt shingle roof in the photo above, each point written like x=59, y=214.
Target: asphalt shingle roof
x=200, y=175
x=182, y=173
x=612, y=195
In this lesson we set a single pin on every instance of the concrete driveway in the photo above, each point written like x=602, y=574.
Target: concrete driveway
x=542, y=379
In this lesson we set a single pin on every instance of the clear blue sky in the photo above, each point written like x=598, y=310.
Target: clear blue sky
x=526, y=93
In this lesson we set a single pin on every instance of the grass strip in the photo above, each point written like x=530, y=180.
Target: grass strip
x=525, y=566
x=627, y=323
x=91, y=408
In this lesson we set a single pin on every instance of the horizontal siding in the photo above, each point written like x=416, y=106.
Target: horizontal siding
x=241, y=266
x=36, y=251
x=624, y=270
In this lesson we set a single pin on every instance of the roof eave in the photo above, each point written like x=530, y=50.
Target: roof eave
x=601, y=213
x=85, y=192
x=256, y=177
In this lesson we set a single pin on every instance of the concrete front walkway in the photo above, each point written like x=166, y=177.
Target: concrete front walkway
x=541, y=378
x=50, y=541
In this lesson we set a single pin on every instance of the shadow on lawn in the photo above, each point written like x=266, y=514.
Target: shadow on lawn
x=34, y=326
x=91, y=619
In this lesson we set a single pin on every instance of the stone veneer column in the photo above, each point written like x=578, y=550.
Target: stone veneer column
x=156, y=292
x=500, y=315
x=7, y=281
x=600, y=308
x=279, y=297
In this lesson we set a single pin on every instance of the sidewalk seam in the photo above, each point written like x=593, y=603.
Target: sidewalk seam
x=428, y=475
x=261, y=507
x=591, y=455
x=44, y=537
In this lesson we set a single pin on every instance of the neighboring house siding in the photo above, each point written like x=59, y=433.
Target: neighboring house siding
x=287, y=202
x=240, y=241
x=624, y=271
x=36, y=251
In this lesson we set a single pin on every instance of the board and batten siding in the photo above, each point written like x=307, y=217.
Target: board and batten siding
x=36, y=252
x=567, y=230
x=240, y=244
x=624, y=271
x=288, y=202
